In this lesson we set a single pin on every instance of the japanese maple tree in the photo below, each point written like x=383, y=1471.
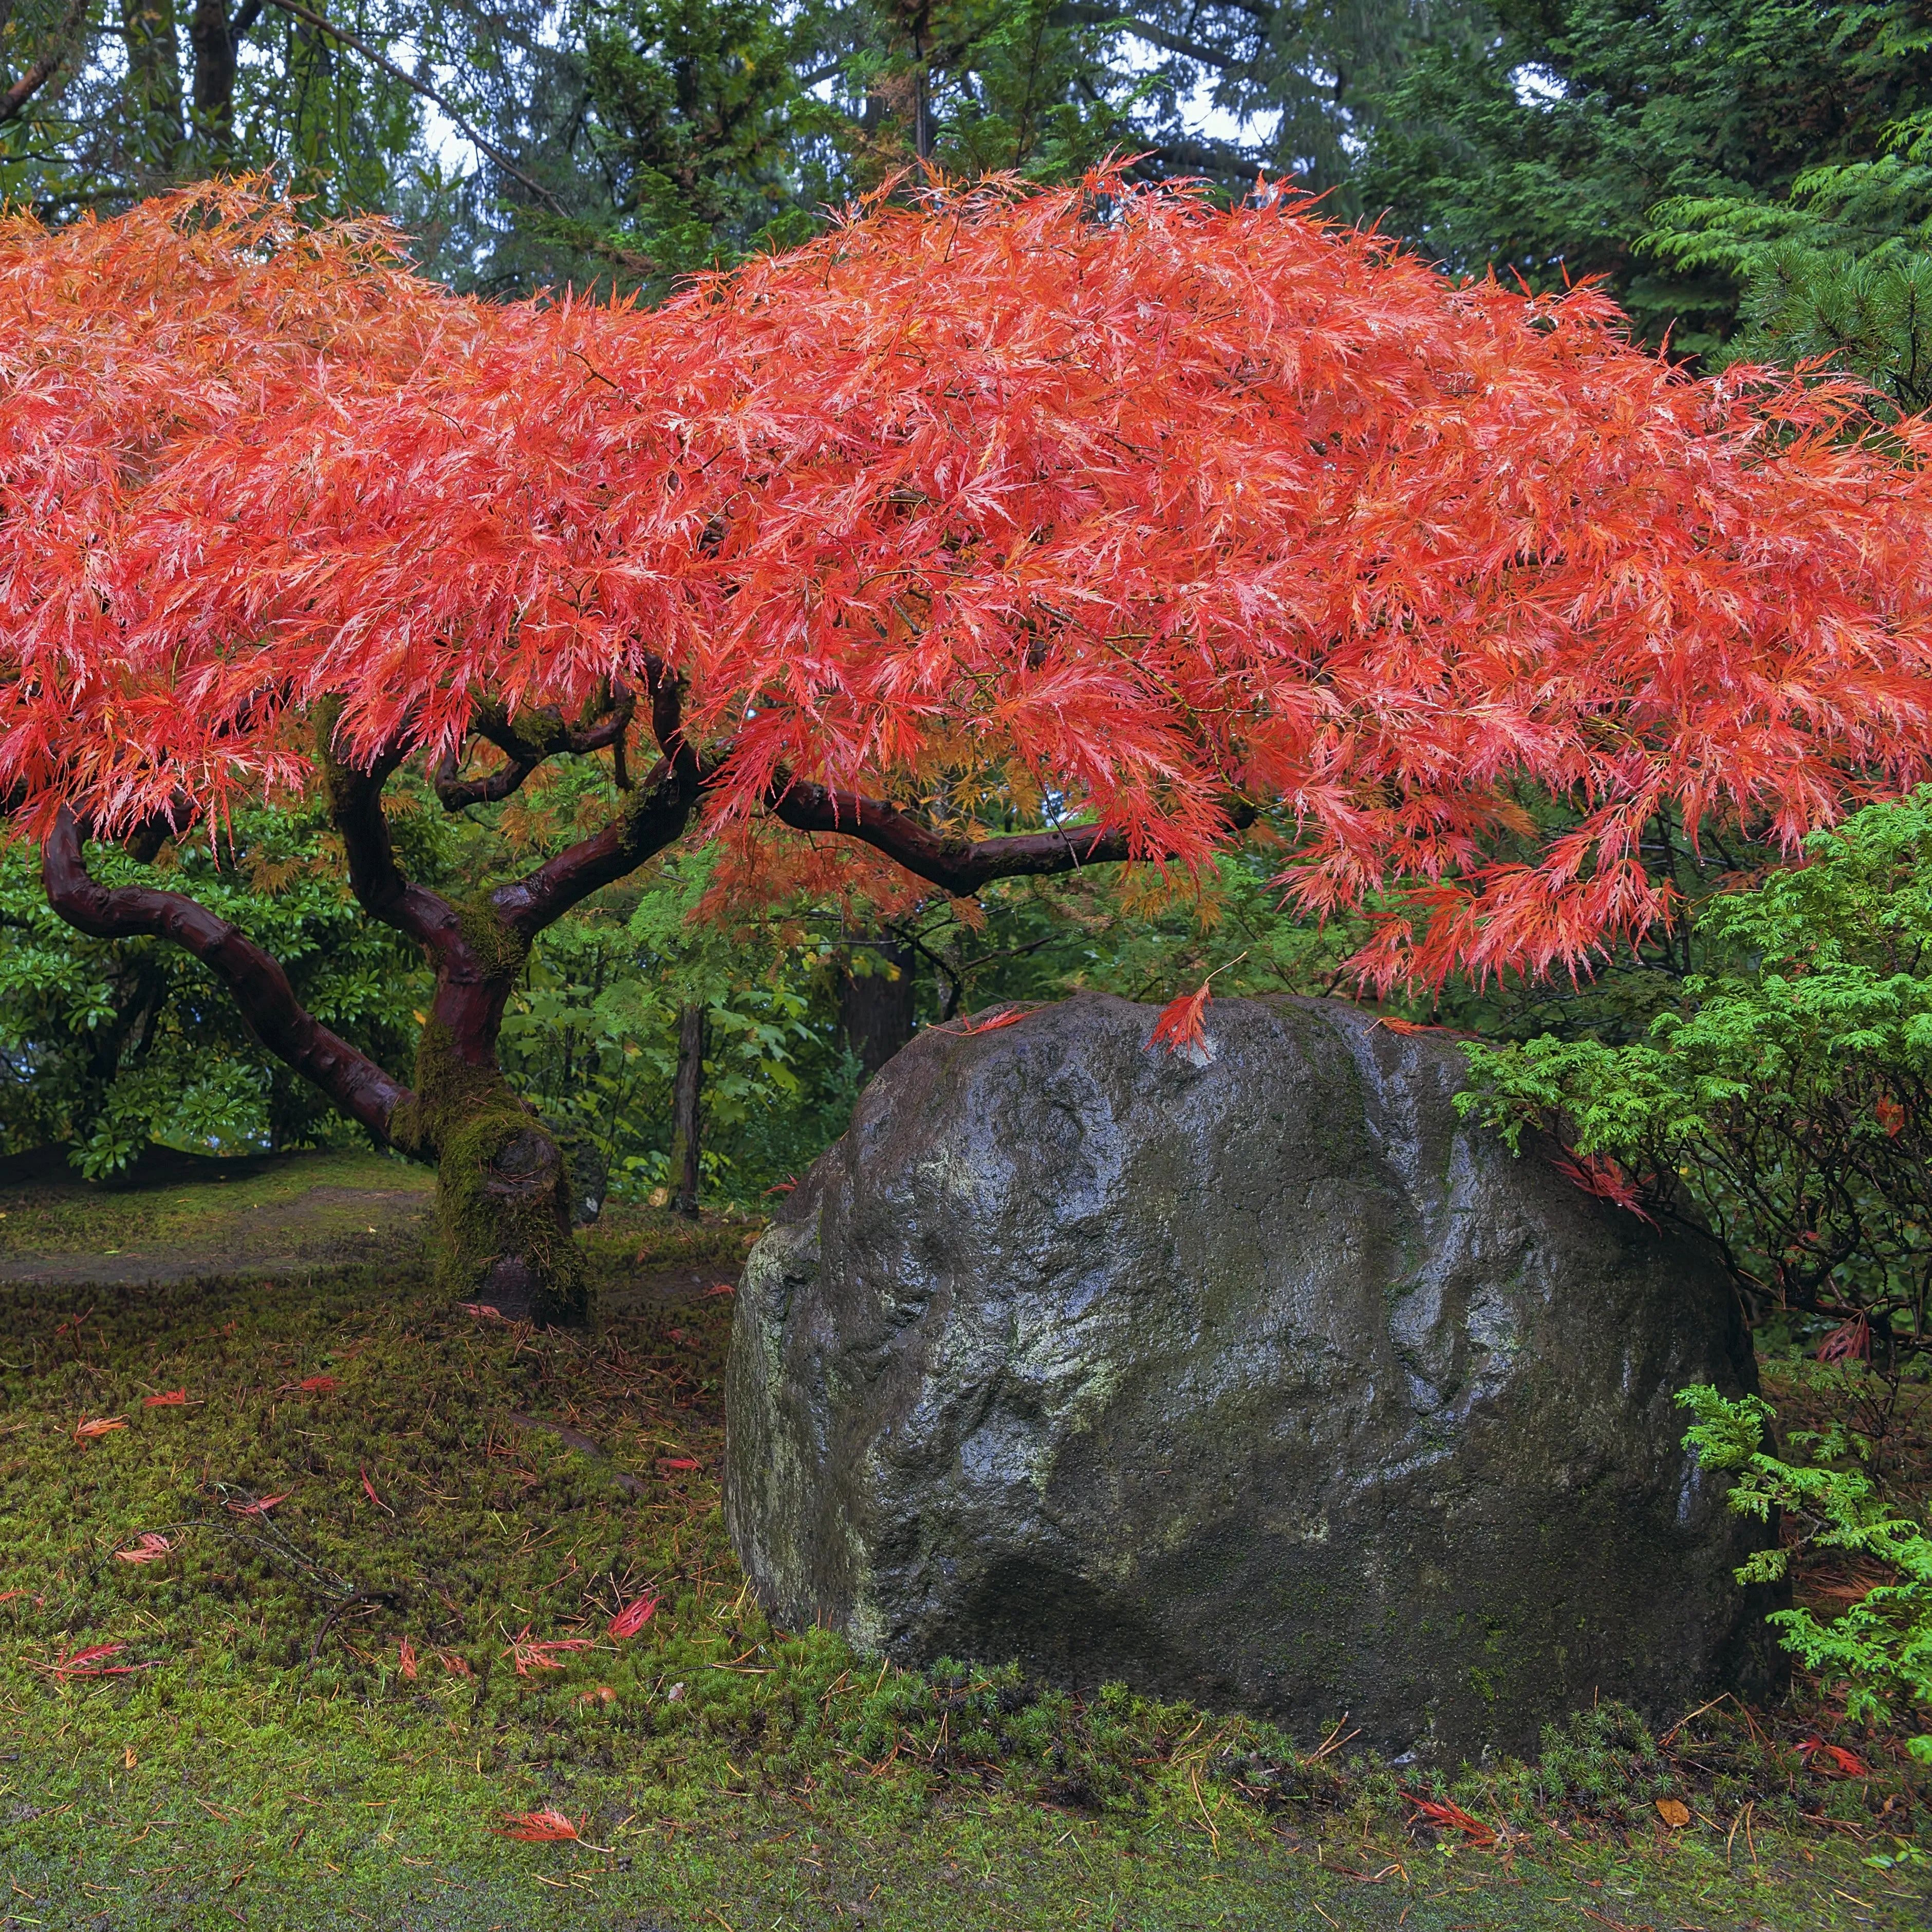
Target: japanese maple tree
x=1102, y=512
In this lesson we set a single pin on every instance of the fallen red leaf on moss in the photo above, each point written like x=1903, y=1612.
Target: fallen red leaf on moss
x=90, y=1663
x=679, y=1462
x=150, y=1549
x=545, y=1827
x=173, y=1398
x=262, y=1507
x=528, y=1653
x=85, y=1432
x=405, y=1660
x=633, y=1617
x=1441, y=1811
x=1834, y=1760
x=369, y=1488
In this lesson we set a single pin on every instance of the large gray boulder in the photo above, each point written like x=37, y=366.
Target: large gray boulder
x=1263, y=1381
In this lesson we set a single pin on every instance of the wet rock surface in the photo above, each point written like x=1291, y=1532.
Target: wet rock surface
x=1264, y=1381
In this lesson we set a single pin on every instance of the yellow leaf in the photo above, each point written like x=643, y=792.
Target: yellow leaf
x=1674, y=1813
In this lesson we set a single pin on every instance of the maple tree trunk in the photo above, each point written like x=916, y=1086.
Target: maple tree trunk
x=502, y=1235
x=686, y=1096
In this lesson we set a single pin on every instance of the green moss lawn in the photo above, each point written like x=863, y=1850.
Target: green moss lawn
x=374, y=1636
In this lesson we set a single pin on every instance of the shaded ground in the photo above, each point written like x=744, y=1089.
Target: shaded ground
x=375, y=1641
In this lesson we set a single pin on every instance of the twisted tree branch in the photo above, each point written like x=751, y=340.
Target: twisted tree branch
x=360, y=1087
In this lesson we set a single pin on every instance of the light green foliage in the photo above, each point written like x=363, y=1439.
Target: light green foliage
x=1879, y=1651
x=1789, y=1090
x=107, y=1046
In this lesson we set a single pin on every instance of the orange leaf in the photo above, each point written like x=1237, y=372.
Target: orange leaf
x=151, y=1548
x=173, y=1398
x=405, y=1660
x=717, y=1288
x=633, y=1617
x=319, y=1384
x=1674, y=1812
x=1834, y=1760
x=1890, y=1115
x=85, y=1432
x=1179, y=1025
x=537, y=1827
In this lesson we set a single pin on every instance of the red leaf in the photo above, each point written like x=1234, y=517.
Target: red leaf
x=633, y=1617
x=1000, y=1016
x=87, y=1663
x=174, y=1399
x=1850, y=1342
x=262, y=1507
x=319, y=1384
x=369, y=1488
x=717, y=1288
x=1834, y=1760
x=1441, y=1811
x=1890, y=1115
x=1598, y=1174
x=537, y=1827
x=151, y=1548
x=85, y=1432
x=679, y=1462
x=529, y=1653
x=405, y=1660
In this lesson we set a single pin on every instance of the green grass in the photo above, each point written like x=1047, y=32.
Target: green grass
x=267, y=1760
x=182, y=1200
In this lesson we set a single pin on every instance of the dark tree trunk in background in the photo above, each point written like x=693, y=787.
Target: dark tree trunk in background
x=685, y=1097
x=876, y=1001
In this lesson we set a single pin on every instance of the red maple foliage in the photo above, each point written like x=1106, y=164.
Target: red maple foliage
x=1176, y=511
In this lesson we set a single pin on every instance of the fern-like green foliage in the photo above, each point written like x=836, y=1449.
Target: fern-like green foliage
x=1784, y=1103
x=1879, y=1651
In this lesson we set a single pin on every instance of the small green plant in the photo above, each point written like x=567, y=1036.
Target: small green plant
x=1879, y=1651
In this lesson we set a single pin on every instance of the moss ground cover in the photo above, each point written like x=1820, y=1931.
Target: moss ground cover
x=373, y=1644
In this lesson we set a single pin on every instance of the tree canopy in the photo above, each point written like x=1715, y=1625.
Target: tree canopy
x=1000, y=534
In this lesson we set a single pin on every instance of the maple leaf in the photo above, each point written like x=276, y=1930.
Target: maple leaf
x=528, y=1653
x=369, y=1489
x=537, y=1827
x=1834, y=1760
x=314, y=1385
x=261, y=1507
x=1181, y=1026
x=171, y=1399
x=1598, y=1174
x=1000, y=1016
x=86, y=1432
x=151, y=1548
x=1441, y=1811
x=405, y=1660
x=679, y=1462
x=717, y=1288
x=633, y=1617
x=1890, y=1115
x=91, y=1662
x=1849, y=1341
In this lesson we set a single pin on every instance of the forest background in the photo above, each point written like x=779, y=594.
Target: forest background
x=1751, y=181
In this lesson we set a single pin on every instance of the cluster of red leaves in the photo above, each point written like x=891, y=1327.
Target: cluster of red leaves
x=1182, y=503
x=1599, y=1174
